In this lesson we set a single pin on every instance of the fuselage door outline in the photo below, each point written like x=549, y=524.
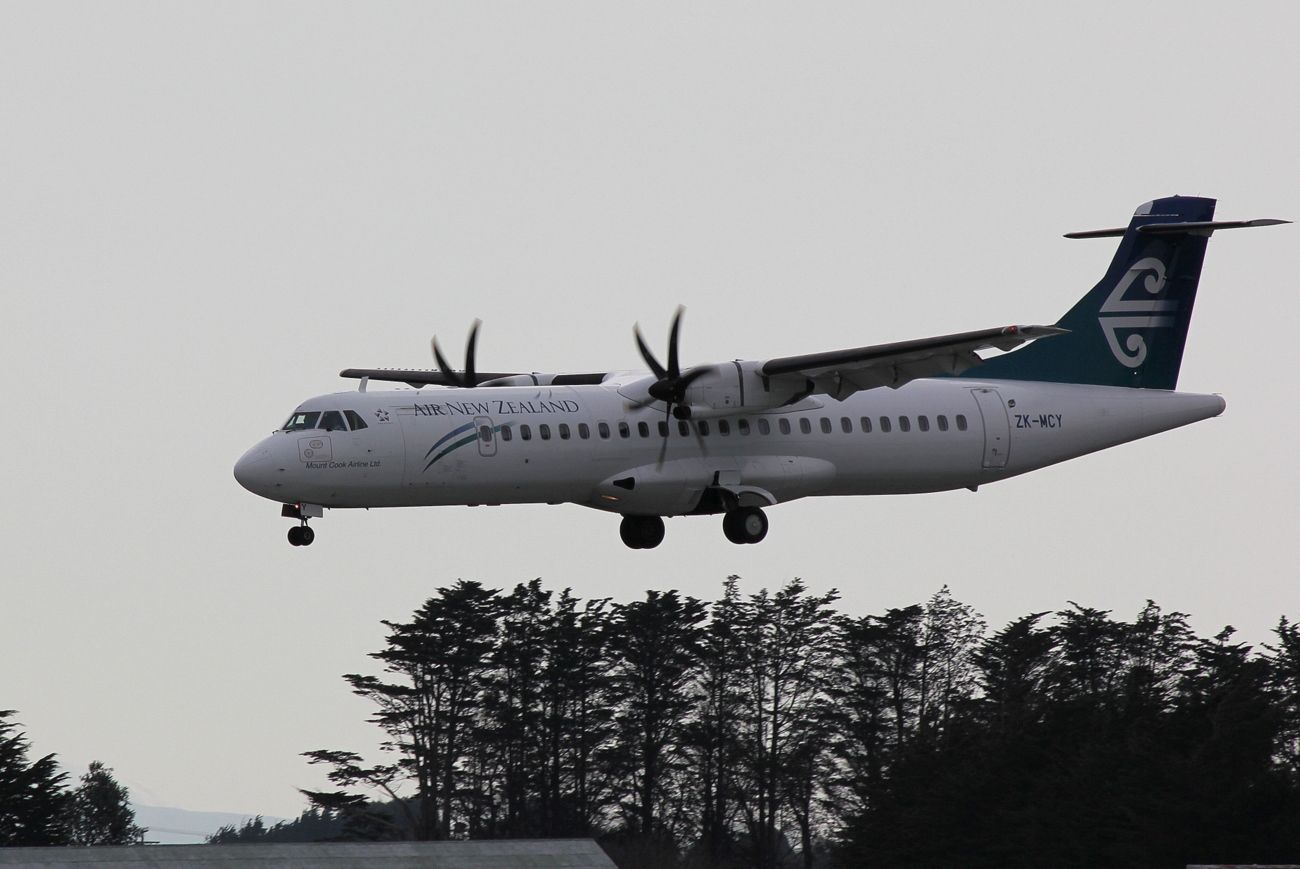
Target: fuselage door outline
x=997, y=427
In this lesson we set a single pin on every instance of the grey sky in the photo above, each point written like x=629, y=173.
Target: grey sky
x=207, y=210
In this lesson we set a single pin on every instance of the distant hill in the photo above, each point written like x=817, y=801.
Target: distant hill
x=171, y=826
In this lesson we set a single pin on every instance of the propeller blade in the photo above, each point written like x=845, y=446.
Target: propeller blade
x=668, y=431
x=649, y=357
x=451, y=376
x=695, y=427
x=470, y=379
x=684, y=382
x=673, y=370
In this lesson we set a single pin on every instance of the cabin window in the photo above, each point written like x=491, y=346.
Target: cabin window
x=805, y=425
x=301, y=421
x=506, y=433
x=332, y=420
x=485, y=433
x=943, y=422
x=724, y=427
x=826, y=425
x=923, y=423
x=624, y=430
x=544, y=431
x=764, y=426
x=885, y=425
x=784, y=425
x=704, y=428
x=865, y=422
x=602, y=429
x=643, y=429
x=846, y=425
x=584, y=430
x=564, y=431
x=683, y=428
x=663, y=428
x=904, y=424
x=525, y=433
x=354, y=420
x=742, y=426
x=961, y=422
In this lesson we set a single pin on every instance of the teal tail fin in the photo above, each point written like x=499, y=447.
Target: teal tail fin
x=1131, y=328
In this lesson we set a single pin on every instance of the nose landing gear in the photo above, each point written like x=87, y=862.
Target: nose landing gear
x=745, y=525
x=301, y=535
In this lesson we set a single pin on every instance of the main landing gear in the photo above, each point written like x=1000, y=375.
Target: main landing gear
x=745, y=525
x=642, y=532
x=742, y=525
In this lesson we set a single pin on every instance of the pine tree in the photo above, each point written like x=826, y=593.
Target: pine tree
x=100, y=812
x=654, y=646
x=33, y=796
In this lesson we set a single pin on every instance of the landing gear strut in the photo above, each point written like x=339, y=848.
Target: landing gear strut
x=301, y=535
x=745, y=525
x=642, y=532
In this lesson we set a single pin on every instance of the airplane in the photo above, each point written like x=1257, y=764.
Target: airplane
x=736, y=438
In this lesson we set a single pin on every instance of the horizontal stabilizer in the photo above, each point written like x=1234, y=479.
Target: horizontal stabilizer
x=1199, y=227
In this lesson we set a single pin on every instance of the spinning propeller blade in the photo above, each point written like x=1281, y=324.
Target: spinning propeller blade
x=671, y=384
x=468, y=377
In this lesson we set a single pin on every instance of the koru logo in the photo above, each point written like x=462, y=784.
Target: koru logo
x=1136, y=313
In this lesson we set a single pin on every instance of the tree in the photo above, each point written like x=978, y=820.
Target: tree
x=575, y=715
x=654, y=645
x=429, y=712
x=33, y=796
x=100, y=813
x=791, y=641
x=712, y=738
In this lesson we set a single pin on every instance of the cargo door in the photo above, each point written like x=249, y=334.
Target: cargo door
x=997, y=427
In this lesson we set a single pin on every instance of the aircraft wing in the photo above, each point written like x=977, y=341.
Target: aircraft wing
x=418, y=377
x=840, y=373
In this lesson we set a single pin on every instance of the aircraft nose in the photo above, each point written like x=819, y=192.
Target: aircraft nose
x=253, y=470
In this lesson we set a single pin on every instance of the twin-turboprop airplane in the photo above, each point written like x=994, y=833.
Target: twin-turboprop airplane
x=737, y=437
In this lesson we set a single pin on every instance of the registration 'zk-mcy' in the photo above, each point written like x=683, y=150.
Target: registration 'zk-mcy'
x=735, y=438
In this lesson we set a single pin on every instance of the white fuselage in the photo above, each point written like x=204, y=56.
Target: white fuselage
x=590, y=445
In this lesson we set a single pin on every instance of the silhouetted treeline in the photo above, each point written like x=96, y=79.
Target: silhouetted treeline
x=38, y=808
x=771, y=730
x=311, y=826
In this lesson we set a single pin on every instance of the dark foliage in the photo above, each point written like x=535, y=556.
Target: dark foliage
x=771, y=731
x=37, y=809
x=33, y=796
x=99, y=811
x=313, y=825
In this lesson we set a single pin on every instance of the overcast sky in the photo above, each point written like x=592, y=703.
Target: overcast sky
x=208, y=210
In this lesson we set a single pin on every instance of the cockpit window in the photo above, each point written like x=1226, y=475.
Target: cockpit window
x=332, y=420
x=302, y=420
x=354, y=420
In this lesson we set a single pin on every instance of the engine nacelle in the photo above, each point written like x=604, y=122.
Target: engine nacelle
x=739, y=387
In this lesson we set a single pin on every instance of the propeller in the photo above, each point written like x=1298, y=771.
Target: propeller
x=464, y=379
x=671, y=382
